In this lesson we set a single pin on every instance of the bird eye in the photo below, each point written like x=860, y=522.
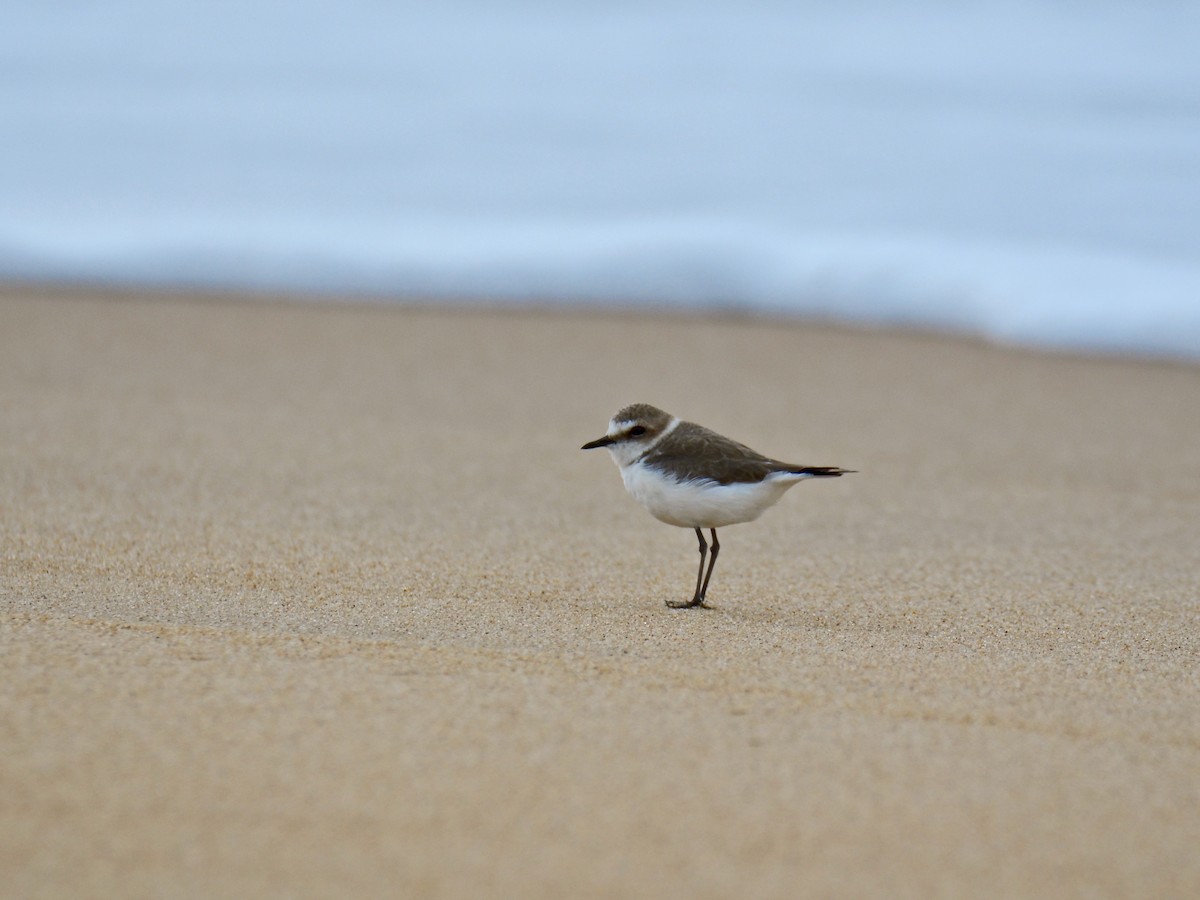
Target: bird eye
x=637, y=431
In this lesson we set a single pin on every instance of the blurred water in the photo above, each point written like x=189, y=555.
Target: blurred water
x=1030, y=172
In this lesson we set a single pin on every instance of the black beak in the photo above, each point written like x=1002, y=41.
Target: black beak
x=599, y=442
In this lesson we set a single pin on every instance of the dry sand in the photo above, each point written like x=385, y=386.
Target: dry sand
x=325, y=600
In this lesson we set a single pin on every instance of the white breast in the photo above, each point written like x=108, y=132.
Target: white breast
x=702, y=504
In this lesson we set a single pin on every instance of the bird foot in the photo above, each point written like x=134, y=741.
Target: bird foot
x=688, y=604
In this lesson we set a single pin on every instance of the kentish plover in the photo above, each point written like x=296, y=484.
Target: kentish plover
x=689, y=476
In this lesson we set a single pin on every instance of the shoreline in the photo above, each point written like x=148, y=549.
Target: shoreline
x=732, y=313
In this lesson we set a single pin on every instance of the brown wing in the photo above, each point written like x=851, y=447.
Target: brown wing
x=696, y=453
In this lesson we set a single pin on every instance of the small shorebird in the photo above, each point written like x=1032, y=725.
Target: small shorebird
x=689, y=476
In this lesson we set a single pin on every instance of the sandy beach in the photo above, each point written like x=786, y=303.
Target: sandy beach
x=317, y=600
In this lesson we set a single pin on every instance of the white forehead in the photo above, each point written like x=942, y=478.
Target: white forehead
x=620, y=426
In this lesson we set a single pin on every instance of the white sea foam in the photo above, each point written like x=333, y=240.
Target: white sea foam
x=1029, y=172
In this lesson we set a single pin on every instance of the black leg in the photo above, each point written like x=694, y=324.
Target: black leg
x=698, y=597
x=712, y=562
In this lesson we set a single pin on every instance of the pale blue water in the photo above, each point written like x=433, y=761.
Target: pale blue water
x=1028, y=172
